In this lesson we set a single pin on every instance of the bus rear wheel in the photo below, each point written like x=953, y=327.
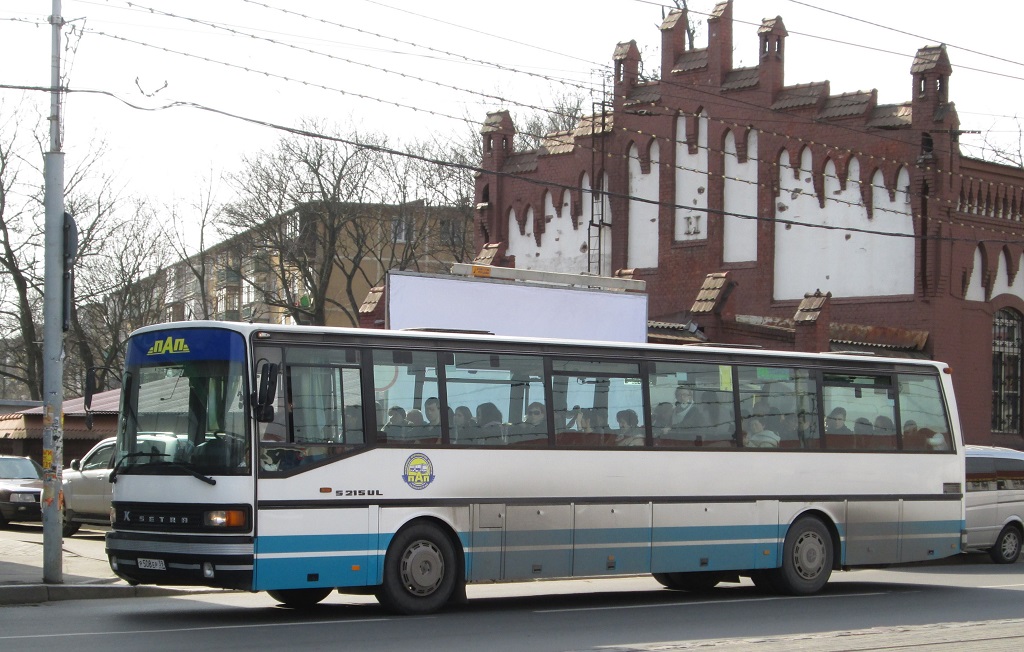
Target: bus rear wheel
x=419, y=570
x=806, y=558
x=299, y=598
x=696, y=582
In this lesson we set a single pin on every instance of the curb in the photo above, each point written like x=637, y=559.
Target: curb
x=38, y=593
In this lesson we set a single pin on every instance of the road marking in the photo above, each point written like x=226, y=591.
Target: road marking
x=702, y=602
x=191, y=629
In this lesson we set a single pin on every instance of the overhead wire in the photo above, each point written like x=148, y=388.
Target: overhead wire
x=385, y=70
x=237, y=32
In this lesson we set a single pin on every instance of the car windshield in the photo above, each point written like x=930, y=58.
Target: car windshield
x=183, y=409
x=19, y=468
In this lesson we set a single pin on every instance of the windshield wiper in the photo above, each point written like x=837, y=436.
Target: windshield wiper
x=196, y=474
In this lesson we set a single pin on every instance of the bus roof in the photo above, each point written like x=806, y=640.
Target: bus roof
x=247, y=329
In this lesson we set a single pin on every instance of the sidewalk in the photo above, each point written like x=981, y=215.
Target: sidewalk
x=86, y=574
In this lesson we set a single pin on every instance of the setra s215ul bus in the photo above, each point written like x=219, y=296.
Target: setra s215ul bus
x=409, y=464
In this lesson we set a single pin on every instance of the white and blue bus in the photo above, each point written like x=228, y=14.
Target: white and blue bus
x=409, y=464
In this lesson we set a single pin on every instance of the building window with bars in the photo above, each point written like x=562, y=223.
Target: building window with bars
x=1006, y=371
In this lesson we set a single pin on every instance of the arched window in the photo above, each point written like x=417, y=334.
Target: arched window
x=1006, y=370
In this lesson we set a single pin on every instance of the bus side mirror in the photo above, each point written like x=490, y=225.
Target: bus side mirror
x=266, y=392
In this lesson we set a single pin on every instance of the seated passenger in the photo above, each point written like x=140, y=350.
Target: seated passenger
x=835, y=422
x=394, y=429
x=661, y=421
x=489, y=425
x=461, y=424
x=535, y=425
x=630, y=433
x=862, y=426
x=757, y=436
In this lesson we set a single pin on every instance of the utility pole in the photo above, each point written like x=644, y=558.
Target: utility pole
x=53, y=332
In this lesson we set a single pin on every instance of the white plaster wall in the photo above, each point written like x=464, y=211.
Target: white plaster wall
x=975, y=290
x=643, y=215
x=606, y=231
x=847, y=263
x=739, y=197
x=691, y=174
x=560, y=244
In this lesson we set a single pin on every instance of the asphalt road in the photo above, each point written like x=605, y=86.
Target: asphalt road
x=966, y=605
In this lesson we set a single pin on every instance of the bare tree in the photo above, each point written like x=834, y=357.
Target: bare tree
x=564, y=113
x=299, y=202
x=999, y=150
x=114, y=253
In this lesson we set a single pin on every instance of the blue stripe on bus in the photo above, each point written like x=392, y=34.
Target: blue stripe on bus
x=560, y=552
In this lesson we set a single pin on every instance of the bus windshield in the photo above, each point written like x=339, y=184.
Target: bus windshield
x=183, y=404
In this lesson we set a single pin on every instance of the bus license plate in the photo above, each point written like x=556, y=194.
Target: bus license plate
x=152, y=564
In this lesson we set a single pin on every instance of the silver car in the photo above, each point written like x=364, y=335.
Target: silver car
x=995, y=502
x=21, y=484
x=87, y=488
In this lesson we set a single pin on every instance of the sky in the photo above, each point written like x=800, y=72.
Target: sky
x=415, y=70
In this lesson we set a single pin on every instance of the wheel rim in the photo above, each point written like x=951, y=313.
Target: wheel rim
x=809, y=555
x=1011, y=543
x=422, y=568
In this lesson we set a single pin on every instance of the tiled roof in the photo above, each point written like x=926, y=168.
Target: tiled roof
x=810, y=307
x=891, y=115
x=772, y=25
x=671, y=20
x=644, y=94
x=521, y=162
x=373, y=297
x=497, y=121
x=691, y=60
x=847, y=104
x=558, y=142
x=710, y=293
x=930, y=58
x=740, y=78
x=801, y=95
x=589, y=124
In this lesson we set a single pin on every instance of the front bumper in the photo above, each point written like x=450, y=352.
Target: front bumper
x=182, y=560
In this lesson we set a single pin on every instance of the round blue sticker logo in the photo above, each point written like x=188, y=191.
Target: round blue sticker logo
x=419, y=472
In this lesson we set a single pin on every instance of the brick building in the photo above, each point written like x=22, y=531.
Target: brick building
x=781, y=215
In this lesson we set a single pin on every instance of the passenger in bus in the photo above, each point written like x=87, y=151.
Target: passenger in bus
x=461, y=424
x=685, y=414
x=661, y=422
x=535, y=425
x=394, y=429
x=432, y=411
x=884, y=426
x=835, y=422
x=862, y=426
x=489, y=425
x=755, y=435
x=630, y=433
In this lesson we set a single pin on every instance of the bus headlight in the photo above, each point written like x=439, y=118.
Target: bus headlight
x=224, y=518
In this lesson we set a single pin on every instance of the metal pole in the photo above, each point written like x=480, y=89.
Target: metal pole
x=53, y=333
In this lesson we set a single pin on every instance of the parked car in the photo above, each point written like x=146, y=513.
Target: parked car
x=995, y=502
x=21, y=485
x=87, y=487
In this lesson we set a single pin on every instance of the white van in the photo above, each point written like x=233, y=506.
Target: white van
x=995, y=502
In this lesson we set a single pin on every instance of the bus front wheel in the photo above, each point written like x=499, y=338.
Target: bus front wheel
x=806, y=558
x=299, y=598
x=419, y=570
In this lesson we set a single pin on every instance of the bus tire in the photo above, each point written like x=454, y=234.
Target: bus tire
x=1007, y=548
x=696, y=582
x=806, y=558
x=299, y=598
x=420, y=571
